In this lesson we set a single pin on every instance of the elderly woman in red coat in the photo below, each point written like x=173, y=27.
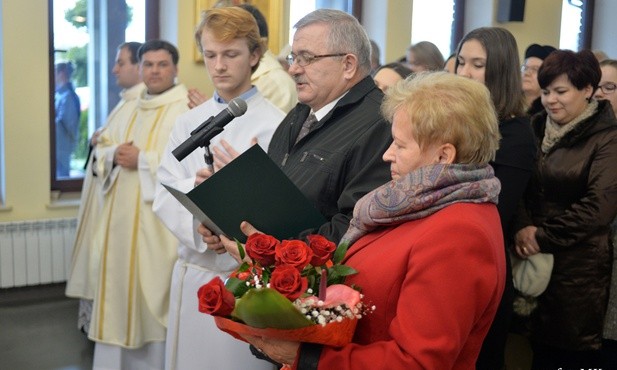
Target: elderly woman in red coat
x=428, y=245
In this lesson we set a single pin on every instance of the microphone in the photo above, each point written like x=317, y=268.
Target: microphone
x=213, y=126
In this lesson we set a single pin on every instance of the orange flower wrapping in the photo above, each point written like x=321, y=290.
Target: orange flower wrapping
x=334, y=334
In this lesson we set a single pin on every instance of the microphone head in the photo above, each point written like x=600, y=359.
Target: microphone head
x=237, y=107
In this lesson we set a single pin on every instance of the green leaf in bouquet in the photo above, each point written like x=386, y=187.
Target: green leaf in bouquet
x=236, y=286
x=267, y=308
x=340, y=252
x=337, y=273
x=240, y=249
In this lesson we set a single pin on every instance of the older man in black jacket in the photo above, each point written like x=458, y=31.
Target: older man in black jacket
x=331, y=144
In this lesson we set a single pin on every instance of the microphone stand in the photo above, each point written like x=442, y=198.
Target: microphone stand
x=208, y=157
x=203, y=141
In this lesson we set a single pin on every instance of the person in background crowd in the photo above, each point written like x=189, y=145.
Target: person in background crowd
x=534, y=56
x=490, y=55
x=450, y=64
x=424, y=56
x=193, y=340
x=137, y=254
x=389, y=74
x=68, y=111
x=608, y=83
x=606, y=91
x=569, y=205
x=375, y=54
x=600, y=55
x=82, y=277
x=270, y=78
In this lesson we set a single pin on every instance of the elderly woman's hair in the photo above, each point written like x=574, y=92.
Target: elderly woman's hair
x=503, y=73
x=582, y=69
x=227, y=24
x=346, y=35
x=427, y=54
x=445, y=108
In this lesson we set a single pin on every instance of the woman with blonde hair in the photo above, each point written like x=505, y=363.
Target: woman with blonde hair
x=438, y=223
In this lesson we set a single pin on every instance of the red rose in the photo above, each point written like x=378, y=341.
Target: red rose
x=322, y=249
x=261, y=247
x=215, y=299
x=247, y=274
x=287, y=280
x=293, y=252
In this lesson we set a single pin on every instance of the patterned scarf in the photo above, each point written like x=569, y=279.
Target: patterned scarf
x=553, y=132
x=420, y=194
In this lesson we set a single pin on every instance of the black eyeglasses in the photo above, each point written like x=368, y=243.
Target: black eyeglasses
x=305, y=59
x=608, y=88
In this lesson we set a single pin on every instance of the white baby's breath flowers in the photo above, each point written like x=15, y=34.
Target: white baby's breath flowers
x=321, y=320
x=258, y=283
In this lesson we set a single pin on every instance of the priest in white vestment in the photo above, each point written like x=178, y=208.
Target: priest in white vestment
x=136, y=251
x=232, y=50
x=81, y=281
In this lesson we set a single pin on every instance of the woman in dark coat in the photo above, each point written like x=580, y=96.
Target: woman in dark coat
x=490, y=55
x=569, y=205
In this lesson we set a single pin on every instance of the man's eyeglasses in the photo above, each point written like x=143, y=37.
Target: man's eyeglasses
x=531, y=69
x=305, y=59
x=608, y=88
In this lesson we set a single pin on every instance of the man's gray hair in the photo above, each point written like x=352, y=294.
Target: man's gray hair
x=346, y=35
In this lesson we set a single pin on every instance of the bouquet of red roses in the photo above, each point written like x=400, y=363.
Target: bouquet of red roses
x=289, y=290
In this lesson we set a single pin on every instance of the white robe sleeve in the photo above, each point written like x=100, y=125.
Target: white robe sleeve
x=105, y=169
x=173, y=214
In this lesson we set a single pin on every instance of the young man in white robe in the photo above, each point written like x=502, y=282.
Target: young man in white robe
x=231, y=47
x=136, y=251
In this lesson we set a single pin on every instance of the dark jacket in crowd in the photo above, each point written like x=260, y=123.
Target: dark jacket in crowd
x=572, y=199
x=340, y=159
x=514, y=163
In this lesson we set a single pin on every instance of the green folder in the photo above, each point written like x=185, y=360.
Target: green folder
x=251, y=188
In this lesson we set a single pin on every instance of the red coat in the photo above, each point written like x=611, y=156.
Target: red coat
x=436, y=284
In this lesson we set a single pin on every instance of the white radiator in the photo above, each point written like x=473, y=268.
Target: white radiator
x=35, y=252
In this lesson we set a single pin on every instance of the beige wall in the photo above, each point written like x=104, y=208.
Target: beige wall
x=191, y=73
x=541, y=25
x=26, y=111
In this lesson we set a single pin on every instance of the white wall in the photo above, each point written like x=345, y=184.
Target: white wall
x=603, y=37
x=479, y=13
x=374, y=15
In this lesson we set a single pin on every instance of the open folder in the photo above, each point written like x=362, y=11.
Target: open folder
x=251, y=188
